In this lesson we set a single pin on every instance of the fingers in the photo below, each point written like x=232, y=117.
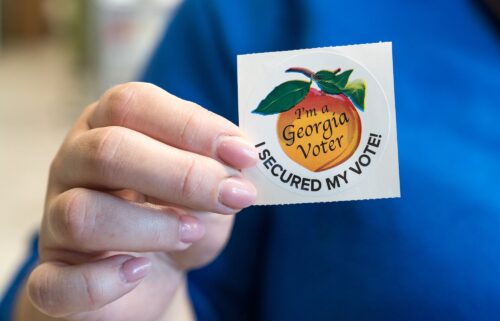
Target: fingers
x=218, y=229
x=60, y=290
x=119, y=158
x=89, y=221
x=154, y=112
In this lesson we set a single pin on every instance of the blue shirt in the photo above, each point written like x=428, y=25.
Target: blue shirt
x=434, y=254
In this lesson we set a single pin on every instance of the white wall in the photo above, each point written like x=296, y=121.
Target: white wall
x=125, y=33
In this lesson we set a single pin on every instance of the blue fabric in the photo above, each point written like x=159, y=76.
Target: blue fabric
x=8, y=302
x=431, y=255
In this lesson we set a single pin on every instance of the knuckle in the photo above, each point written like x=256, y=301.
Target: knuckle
x=117, y=102
x=193, y=126
x=93, y=294
x=59, y=160
x=191, y=182
x=71, y=218
x=104, y=146
x=186, y=134
x=55, y=166
x=41, y=294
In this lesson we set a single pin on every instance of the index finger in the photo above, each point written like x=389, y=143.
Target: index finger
x=183, y=124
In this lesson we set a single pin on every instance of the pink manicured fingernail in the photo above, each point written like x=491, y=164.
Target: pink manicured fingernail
x=237, y=193
x=190, y=229
x=135, y=269
x=236, y=152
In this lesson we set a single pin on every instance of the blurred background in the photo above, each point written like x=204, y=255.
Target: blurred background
x=57, y=56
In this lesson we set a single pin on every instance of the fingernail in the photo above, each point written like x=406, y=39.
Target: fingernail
x=190, y=229
x=237, y=193
x=135, y=269
x=237, y=152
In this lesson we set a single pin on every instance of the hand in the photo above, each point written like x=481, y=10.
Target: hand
x=143, y=188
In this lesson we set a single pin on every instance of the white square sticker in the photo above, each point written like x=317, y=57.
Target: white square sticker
x=323, y=121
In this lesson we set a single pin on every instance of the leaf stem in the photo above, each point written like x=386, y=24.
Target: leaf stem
x=306, y=72
x=336, y=71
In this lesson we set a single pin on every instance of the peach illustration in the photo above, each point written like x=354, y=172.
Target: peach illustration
x=321, y=131
x=318, y=129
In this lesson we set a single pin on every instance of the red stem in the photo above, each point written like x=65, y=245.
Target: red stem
x=306, y=72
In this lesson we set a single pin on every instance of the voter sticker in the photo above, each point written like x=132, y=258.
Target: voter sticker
x=323, y=121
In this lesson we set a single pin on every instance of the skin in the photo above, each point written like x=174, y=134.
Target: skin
x=143, y=189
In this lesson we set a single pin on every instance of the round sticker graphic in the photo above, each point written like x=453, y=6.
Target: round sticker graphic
x=329, y=123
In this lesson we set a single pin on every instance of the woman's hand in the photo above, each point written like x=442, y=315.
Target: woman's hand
x=143, y=188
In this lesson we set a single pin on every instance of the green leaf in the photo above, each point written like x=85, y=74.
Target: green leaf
x=355, y=90
x=283, y=97
x=343, y=78
x=332, y=82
